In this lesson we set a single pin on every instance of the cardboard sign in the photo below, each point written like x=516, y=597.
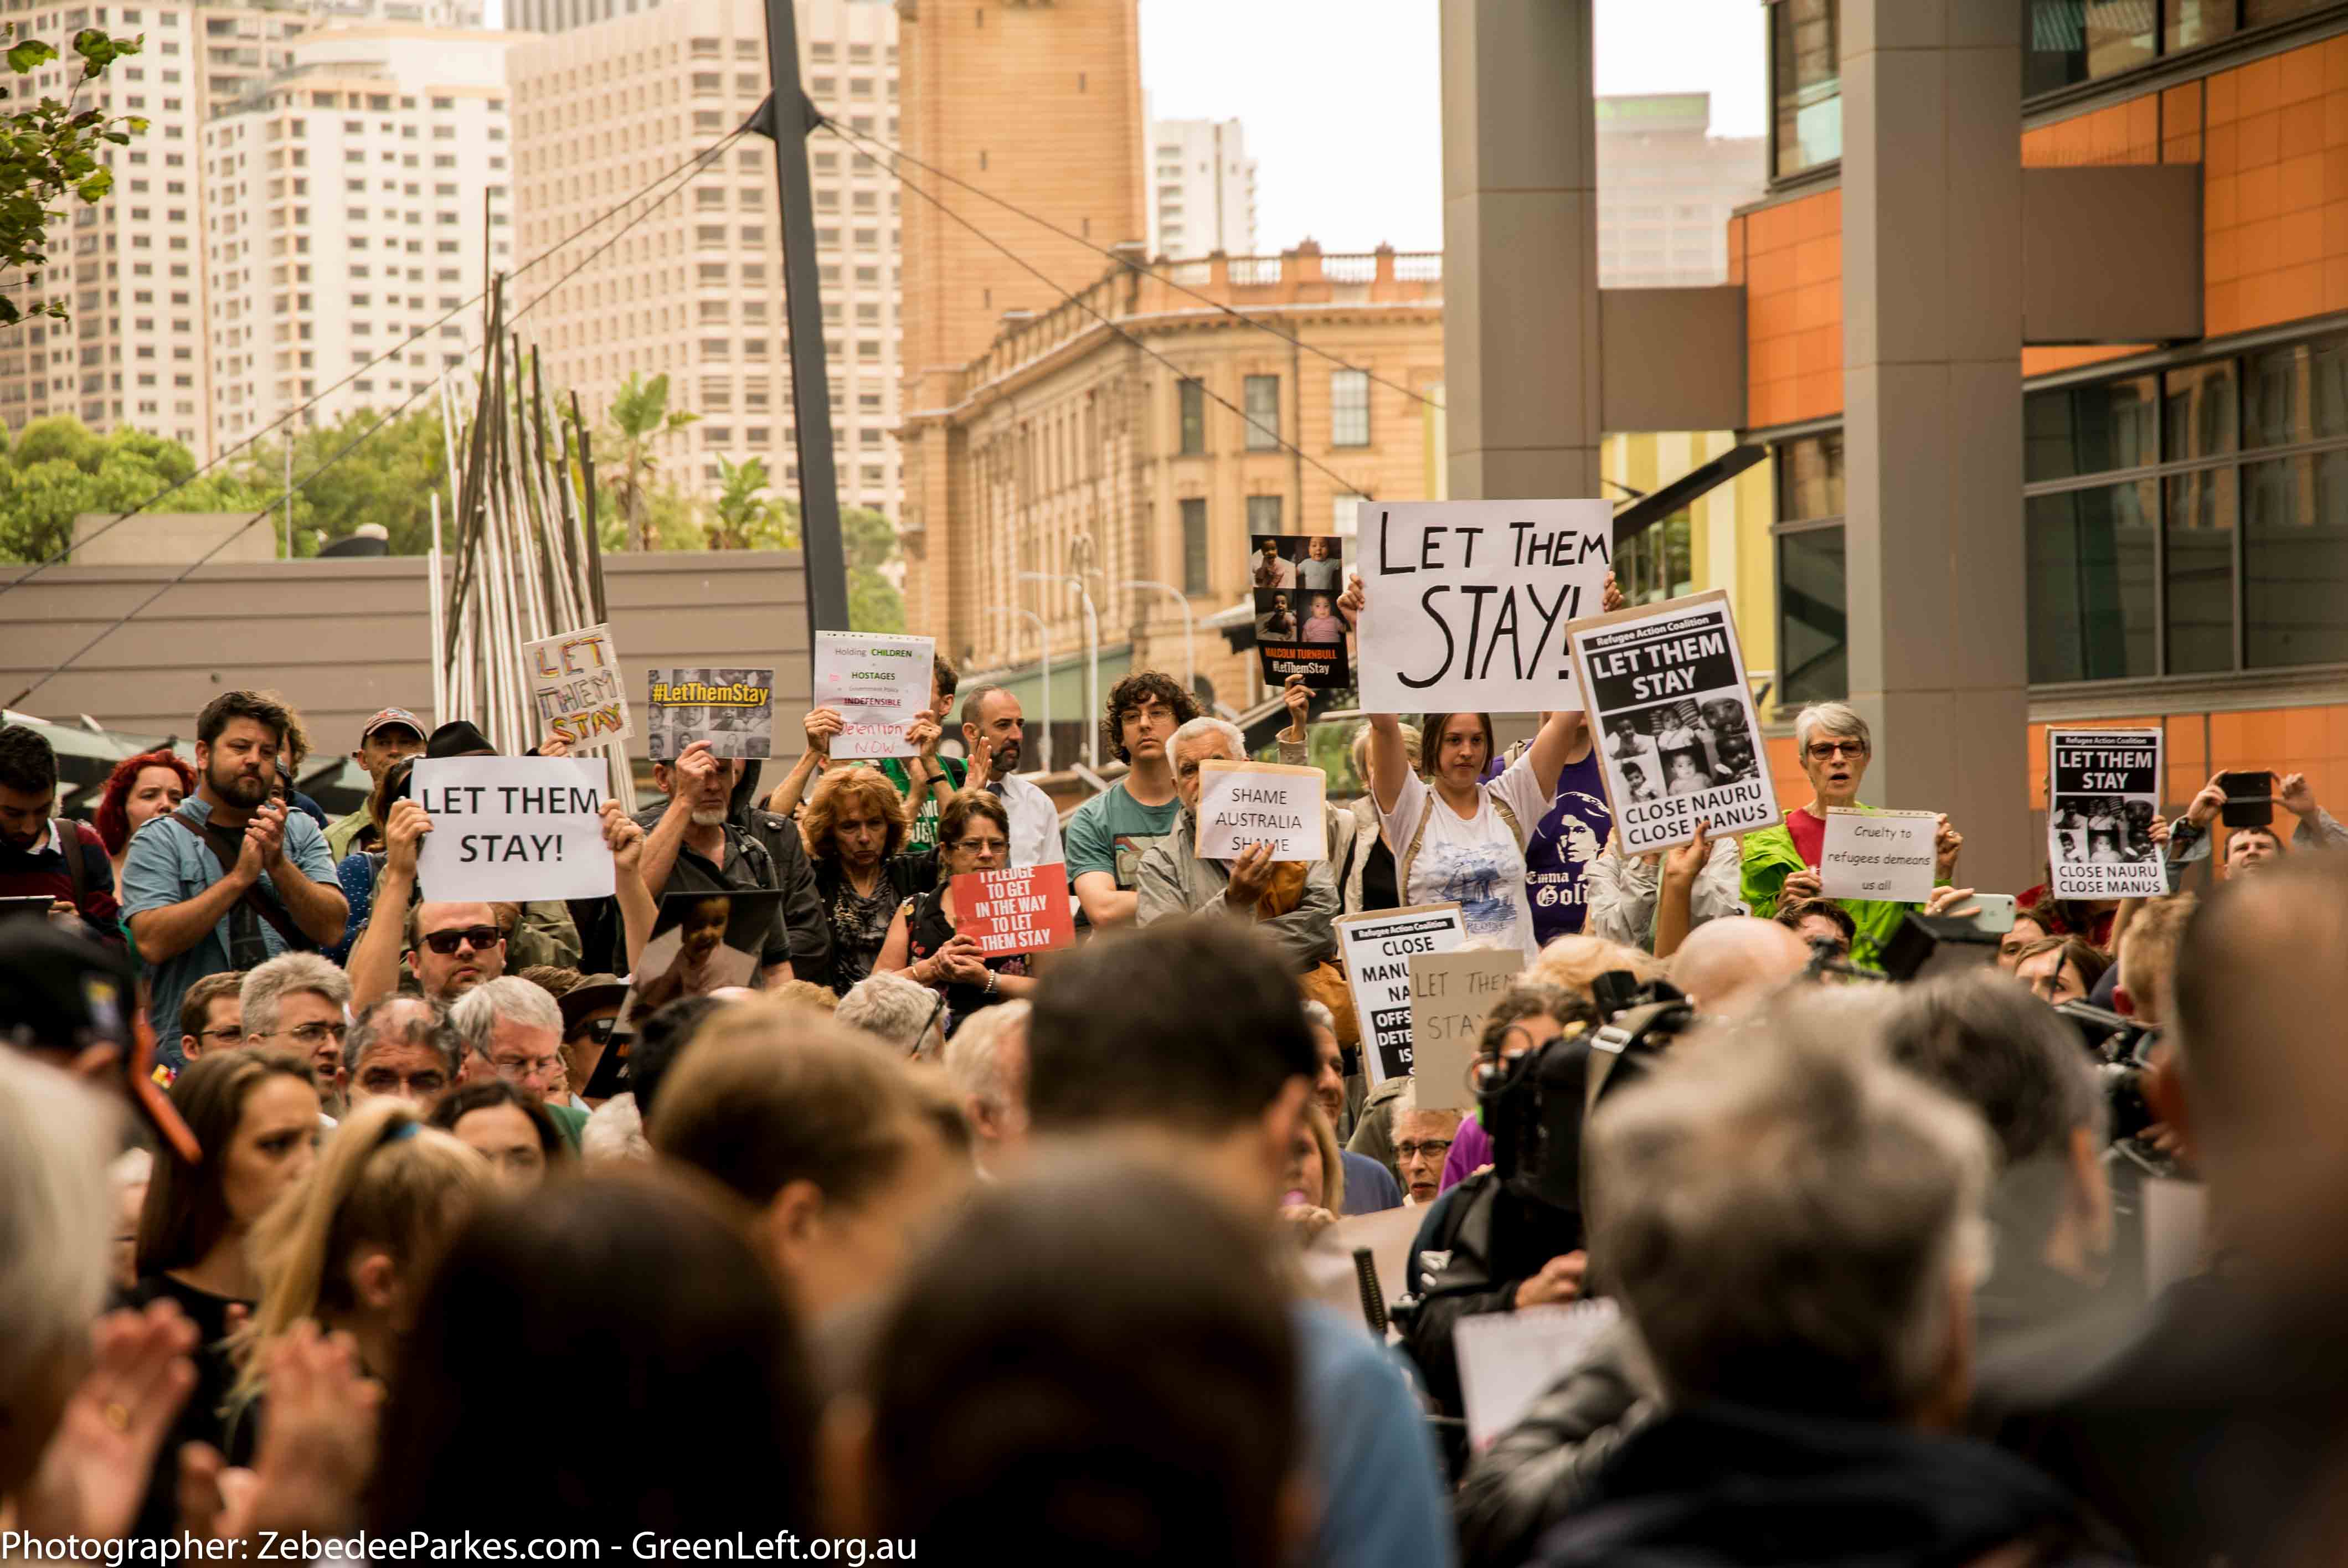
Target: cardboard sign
x=2102, y=794
x=1377, y=949
x=1297, y=582
x=732, y=709
x=879, y=683
x=512, y=829
x=574, y=687
x=1020, y=911
x=1464, y=603
x=1665, y=690
x=1242, y=805
x=1885, y=854
x=1508, y=1359
x=1450, y=996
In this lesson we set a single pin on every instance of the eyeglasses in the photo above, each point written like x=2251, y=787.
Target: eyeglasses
x=319, y=1033
x=515, y=1072
x=1431, y=1148
x=481, y=938
x=227, y=1036
x=1827, y=751
x=385, y=1080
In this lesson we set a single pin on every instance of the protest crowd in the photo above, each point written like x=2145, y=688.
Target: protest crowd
x=887, y=1163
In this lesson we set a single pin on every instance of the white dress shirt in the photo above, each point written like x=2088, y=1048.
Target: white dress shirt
x=1035, y=823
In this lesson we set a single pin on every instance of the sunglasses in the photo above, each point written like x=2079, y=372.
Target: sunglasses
x=481, y=937
x=597, y=1030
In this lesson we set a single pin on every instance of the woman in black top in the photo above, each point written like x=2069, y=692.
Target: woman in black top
x=855, y=829
x=973, y=835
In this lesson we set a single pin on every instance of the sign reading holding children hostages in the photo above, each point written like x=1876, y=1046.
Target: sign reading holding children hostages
x=732, y=709
x=1242, y=805
x=1466, y=603
x=879, y=682
x=2103, y=793
x=517, y=829
x=1377, y=949
x=1885, y=854
x=1450, y=996
x=1019, y=911
x=1297, y=581
x=574, y=687
x=1665, y=690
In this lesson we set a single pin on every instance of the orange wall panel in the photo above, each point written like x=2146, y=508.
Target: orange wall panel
x=1790, y=256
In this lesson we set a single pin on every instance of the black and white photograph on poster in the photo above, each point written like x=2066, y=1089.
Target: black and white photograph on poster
x=701, y=942
x=2103, y=795
x=1298, y=631
x=1665, y=690
x=731, y=708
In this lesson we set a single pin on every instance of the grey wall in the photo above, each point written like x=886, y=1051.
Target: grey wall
x=2111, y=254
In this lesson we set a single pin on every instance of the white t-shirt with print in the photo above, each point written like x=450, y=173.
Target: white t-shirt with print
x=1477, y=862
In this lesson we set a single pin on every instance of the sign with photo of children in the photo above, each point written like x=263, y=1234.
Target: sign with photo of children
x=2103, y=795
x=1297, y=580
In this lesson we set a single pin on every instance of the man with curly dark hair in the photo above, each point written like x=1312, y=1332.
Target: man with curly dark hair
x=1109, y=833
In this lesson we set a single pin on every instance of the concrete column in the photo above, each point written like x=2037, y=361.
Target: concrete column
x=1520, y=248
x=1931, y=277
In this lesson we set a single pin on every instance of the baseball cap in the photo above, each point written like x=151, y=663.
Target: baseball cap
x=399, y=716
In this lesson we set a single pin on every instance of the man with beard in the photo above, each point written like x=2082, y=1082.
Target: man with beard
x=42, y=855
x=233, y=880
x=695, y=846
x=995, y=731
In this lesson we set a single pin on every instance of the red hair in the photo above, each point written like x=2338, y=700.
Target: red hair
x=112, y=819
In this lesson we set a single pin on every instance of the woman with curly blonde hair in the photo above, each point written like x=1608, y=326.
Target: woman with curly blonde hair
x=855, y=828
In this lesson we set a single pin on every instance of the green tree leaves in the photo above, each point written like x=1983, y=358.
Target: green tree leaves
x=49, y=149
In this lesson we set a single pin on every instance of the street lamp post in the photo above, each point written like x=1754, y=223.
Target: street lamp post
x=1042, y=669
x=1092, y=654
x=1190, y=627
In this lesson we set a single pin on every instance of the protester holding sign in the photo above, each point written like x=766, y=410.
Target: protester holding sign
x=1782, y=862
x=974, y=835
x=856, y=834
x=695, y=846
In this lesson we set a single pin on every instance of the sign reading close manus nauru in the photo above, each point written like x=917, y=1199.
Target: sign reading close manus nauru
x=1665, y=690
x=2103, y=793
x=1377, y=949
x=1466, y=603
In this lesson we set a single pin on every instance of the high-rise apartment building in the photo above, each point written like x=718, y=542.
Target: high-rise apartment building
x=362, y=193
x=562, y=15
x=1666, y=189
x=695, y=291
x=1202, y=189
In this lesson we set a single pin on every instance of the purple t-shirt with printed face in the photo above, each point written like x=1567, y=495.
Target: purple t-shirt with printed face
x=1559, y=853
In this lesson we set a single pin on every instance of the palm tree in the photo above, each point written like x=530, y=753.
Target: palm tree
x=748, y=517
x=639, y=415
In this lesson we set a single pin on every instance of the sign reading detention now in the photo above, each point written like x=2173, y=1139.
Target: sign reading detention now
x=1377, y=949
x=1020, y=911
x=517, y=829
x=1464, y=603
x=1885, y=854
x=1242, y=805
x=879, y=682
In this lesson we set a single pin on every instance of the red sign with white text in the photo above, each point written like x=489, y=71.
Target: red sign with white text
x=1019, y=911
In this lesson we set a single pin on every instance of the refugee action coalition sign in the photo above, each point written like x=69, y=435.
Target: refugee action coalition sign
x=732, y=709
x=1886, y=855
x=1466, y=603
x=574, y=687
x=879, y=683
x=1242, y=805
x=1020, y=911
x=1450, y=996
x=518, y=829
x=1664, y=686
x=1377, y=949
x=2102, y=793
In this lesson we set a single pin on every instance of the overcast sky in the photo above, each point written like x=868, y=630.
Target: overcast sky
x=1341, y=98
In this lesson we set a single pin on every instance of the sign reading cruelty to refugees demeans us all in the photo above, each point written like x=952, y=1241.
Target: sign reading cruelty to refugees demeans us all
x=2103, y=794
x=731, y=708
x=1020, y=911
x=879, y=684
x=1464, y=603
x=1884, y=855
x=1377, y=949
x=516, y=829
x=1665, y=690
x=1450, y=995
x=574, y=687
x=1242, y=805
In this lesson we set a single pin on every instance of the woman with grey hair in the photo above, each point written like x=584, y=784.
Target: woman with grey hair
x=1782, y=862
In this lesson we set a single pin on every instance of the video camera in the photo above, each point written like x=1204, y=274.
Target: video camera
x=2119, y=1046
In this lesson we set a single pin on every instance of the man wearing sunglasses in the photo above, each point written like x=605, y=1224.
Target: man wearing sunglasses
x=1781, y=862
x=590, y=1011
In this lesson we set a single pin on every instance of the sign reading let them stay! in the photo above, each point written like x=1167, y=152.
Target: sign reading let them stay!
x=517, y=829
x=1242, y=805
x=879, y=682
x=1377, y=949
x=574, y=687
x=1464, y=603
x=1885, y=855
x=1020, y=911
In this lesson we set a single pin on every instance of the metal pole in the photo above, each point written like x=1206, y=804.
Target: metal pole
x=439, y=665
x=1190, y=627
x=787, y=118
x=1092, y=654
x=1043, y=671
x=289, y=490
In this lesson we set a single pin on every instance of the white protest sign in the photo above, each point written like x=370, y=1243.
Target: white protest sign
x=1665, y=690
x=879, y=683
x=1451, y=994
x=1508, y=1358
x=512, y=829
x=1885, y=855
x=1377, y=949
x=574, y=687
x=1464, y=603
x=1242, y=805
x=2103, y=794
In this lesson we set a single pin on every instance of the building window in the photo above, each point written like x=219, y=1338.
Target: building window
x=1344, y=514
x=1813, y=640
x=1194, y=547
x=1349, y=408
x=1264, y=514
x=1194, y=422
x=2069, y=41
x=1657, y=562
x=1263, y=416
x=1806, y=84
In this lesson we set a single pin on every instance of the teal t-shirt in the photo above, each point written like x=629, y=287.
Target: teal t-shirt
x=1111, y=832
x=924, y=834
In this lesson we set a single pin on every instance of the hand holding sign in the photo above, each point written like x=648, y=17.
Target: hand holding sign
x=403, y=836
x=1250, y=876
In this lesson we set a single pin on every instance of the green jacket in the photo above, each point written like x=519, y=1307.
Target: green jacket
x=1770, y=857
x=343, y=834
